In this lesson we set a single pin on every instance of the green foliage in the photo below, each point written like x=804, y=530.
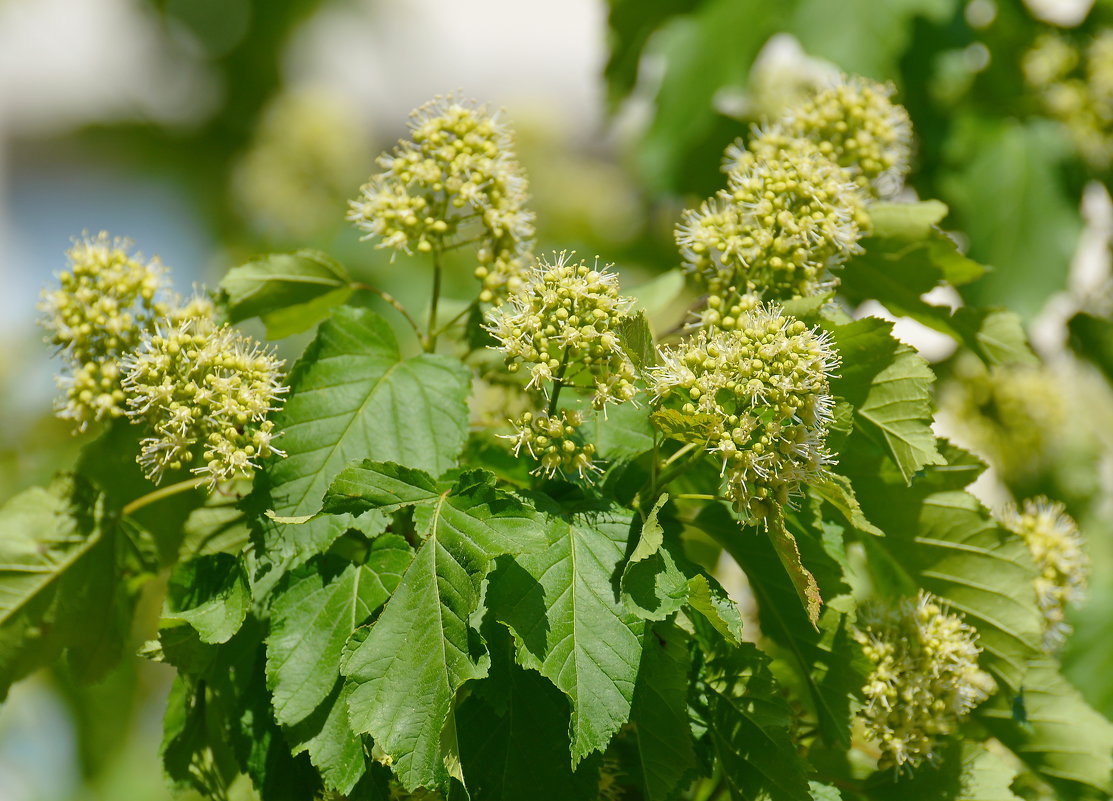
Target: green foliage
x=413, y=599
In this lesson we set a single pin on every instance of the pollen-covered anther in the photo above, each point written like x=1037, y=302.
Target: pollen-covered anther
x=925, y=677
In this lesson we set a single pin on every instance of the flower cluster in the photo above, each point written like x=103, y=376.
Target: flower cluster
x=196, y=383
x=1056, y=545
x=294, y=177
x=856, y=124
x=454, y=180
x=552, y=440
x=1076, y=88
x=561, y=322
x=762, y=390
x=102, y=307
x=1009, y=415
x=925, y=676
x=786, y=217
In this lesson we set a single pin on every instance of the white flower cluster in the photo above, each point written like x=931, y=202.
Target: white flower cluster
x=199, y=384
x=1057, y=548
x=102, y=307
x=925, y=676
x=455, y=179
x=561, y=323
x=763, y=391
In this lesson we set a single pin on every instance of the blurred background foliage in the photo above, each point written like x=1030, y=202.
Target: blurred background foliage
x=215, y=130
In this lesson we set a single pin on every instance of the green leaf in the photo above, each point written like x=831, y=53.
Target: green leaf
x=697, y=62
x=217, y=526
x=1064, y=740
x=906, y=221
x=561, y=605
x=890, y=386
x=385, y=486
x=513, y=732
x=707, y=597
x=622, y=432
x=828, y=659
x=694, y=428
x=837, y=491
x=353, y=396
x=750, y=727
x=291, y=292
x=788, y=551
x=861, y=36
x=59, y=582
x=963, y=771
x=948, y=543
x=210, y=594
x=630, y=24
x=660, y=714
x=1092, y=339
x=1007, y=178
x=326, y=735
x=314, y=612
x=654, y=581
x=421, y=650
x=636, y=339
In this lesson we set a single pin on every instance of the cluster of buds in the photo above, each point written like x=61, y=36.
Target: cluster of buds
x=856, y=124
x=200, y=385
x=925, y=677
x=99, y=312
x=763, y=392
x=785, y=219
x=1075, y=86
x=553, y=442
x=1056, y=545
x=454, y=180
x=561, y=323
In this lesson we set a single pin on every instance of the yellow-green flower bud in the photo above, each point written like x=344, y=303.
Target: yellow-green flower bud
x=856, y=124
x=455, y=179
x=554, y=442
x=1056, y=545
x=764, y=390
x=787, y=217
x=925, y=677
x=204, y=390
x=100, y=311
x=561, y=322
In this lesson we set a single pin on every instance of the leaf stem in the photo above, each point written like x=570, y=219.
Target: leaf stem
x=457, y=318
x=678, y=454
x=393, y=301
x=697, y=496
x=163, y=492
